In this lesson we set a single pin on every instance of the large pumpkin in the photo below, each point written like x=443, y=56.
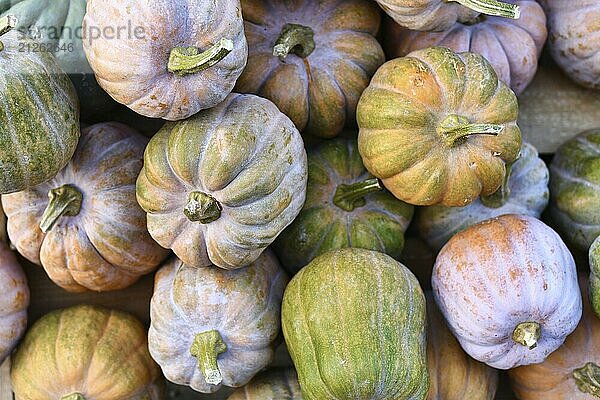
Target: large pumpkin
x=438, y=127
x=354, y=323
x=211, y=327
x=219, y=187
x=166, y=58
x=84, y=226
x=508, y=289
x=311, y=58
x=85, y=352
x=276, y=384
x=345, y=207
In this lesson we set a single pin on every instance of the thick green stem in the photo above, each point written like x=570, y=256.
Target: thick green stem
x=349, y=197
x=206, y=348
x=492, y=7
x=527, y=334
x=455, y=129
x=73, y=396
x=587, y=379
x=189, y=60
x=203, y=208
x=294, y=38
x=65, y=200
x=500, y=196
x=7, y=24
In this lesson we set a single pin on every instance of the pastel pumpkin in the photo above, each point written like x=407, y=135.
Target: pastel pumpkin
x=277, y=384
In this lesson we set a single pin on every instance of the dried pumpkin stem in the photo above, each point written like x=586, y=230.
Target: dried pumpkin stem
x=587, y=379
x=65, y=200
x=500, y=196
x=455, y=129
x=527, y=334
x=492, y=7
x=206, y=348
x=296, y=39
x=73, y=396
x=203, y=208
x=7, y=24
x=189, y=60
x=349, y=197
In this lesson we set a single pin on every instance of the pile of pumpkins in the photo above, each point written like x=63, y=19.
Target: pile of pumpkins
x=260, y=175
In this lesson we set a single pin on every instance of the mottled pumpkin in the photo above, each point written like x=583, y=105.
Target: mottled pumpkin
x=219, y=187
x=166, y=58
x=84, y=226
x=524, y=192
x=311, y=58
x=85, y=352
x=276, y=384
x=508, y=290
x=354, y=324
x=594, y=257
x=438, y=127
x=345, y=207
x=212, y=327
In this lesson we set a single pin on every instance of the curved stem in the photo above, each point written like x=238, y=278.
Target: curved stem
x=189, y=60
x=349, y=197
x=527, y=334
x=500, y=196
x=73, y=396
x=587, y=379
x=7, y=24
x=206, y=348
x=65, y=200
x=492, y=7
x=203, y=208
x=294, y=38
x=455, y=129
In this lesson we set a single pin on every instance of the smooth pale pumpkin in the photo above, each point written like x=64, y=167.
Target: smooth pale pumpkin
x=508, y=290
x=311, y=58
x=512, y=46
x=354, y=323
x=211, y=327
x=277, y=384
x=172, y=58
x=438, y=127
x=85, y=352
x=594, y=257
x=84, y=226
x=524, y=192
x=345, y=207
x=219, y=187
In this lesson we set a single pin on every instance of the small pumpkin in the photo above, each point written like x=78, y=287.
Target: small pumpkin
x=219, y=187
x=311, y=58
x=84, y=226
x=512, y=46
x=354, y=323
x=345, y=207
x=438, y=127
x=508, y=290
x=211, y=327
x=276, y=384
x=525, y=191
x=178, y=56
x=594, y=257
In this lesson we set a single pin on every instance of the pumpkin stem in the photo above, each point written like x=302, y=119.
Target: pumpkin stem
x=500, y=196
x=455, y=129
x=492, y=7
x=189, y=60
x=7, y=24
x=527, y=334
x=206, y=348
x=203, y=208
x=65, y=200
x=294, y=38
x=73, y=396
x=349, y=197
x=587, y=379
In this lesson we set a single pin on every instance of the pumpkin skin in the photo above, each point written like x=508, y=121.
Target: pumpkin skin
x=246, y=160
x=375, y=221
x=211, y=327
x=317, y=80
x=508, y=290
x=102, y=243
x=277, y=384
x=527, y=194
x=513, y=47
x=343, y=314
x=162, y=77
x=85, y=352
x=413, y=119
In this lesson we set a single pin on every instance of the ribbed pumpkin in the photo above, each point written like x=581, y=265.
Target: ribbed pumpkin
x=594, y=257
x=166, y=58
x=39, y=113
x=438, y=127
x=512, y=46
x=211, y=327
x=277, y=384
x=219, y=187
x=84, y=226
x=524, y=192
x=354, y=323
x=85, y=352
x=311, y=58
x=345, y=207
x=508, y=290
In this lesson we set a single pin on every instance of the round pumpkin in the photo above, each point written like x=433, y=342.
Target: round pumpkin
x=525, y=192
x=84, y=226
x=354, y=324
x=345, y=207
x=166, y=58
x=512, y=46
x=277, y=384
x=212, y=327
x=508, y=290
x=311, y=58
x=85, y=352
x=438, y=127
x=594, y=257
x=219, y=187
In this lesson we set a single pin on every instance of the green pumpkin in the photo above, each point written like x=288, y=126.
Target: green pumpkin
x=594, y=255
x=354, y=323
x=345, y=207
